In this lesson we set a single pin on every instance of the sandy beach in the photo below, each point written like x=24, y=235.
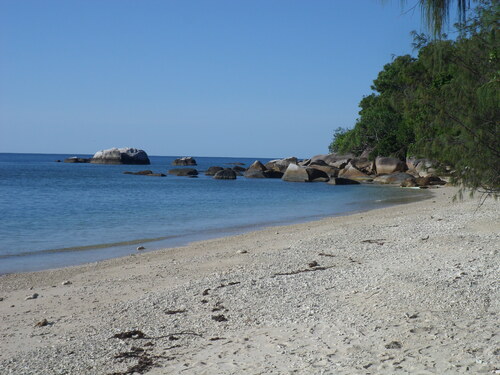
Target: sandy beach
x=408, y=289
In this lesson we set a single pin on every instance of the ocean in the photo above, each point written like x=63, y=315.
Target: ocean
x=60, y=214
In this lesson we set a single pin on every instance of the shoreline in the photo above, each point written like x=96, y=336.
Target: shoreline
x=405, y=288
x=122, y=249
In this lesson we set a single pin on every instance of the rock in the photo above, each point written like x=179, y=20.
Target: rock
x=235, y=163
x=76, y=159
x=242, y=251
x=429, y=181
x=330, y=171
x=256, y=170
x=225, y=174
x=313, y=264
x=280, y=165
x=211, y=171
x=183, y=172
x=394, y=345
x=67, y=282
x=140, y=173
x=333, y=160
x=120, y=156
x=33, y=296
x=425, y=168
x=145, y=173
x=393, y=179
x=272, y=174
x=352, y=173
x=364, y=165
x=185, y=161
x=42, y=323
x=237, y=168
x=409, y=182
x=296, y=173
x=384, y=165
x=140, y=248
x=342, y=181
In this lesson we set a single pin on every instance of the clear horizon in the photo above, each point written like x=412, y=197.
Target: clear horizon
x=272, y=79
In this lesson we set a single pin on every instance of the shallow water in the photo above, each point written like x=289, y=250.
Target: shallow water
x=58, y=214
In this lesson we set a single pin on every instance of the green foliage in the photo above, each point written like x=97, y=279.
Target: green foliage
x=442, y=105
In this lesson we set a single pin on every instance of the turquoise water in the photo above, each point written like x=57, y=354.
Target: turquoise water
x=58, y=214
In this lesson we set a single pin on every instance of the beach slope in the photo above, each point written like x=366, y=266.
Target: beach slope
x=405, y=289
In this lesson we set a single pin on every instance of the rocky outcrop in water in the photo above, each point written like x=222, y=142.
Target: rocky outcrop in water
x=76, y=159
x=225, y=174
x=185, y=161
x=145, y=173
x=211, y=171
x=120, y=156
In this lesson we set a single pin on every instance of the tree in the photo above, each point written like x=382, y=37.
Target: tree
x=436, y=13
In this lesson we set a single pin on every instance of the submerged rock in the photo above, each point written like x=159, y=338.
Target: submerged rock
x=120, y=156
x=183, y=172
x=145, y=173
x=76, y=159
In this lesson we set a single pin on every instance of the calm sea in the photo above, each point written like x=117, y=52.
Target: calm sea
x=58, y=214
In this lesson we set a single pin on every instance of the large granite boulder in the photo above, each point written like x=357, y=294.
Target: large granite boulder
x=393, y=179
x=352, y=173
x=185, y=161
x=76, y=159
x=296, y=173
x=425, y=168
x=225, y=174
x=256, y=170
x=386, y=165
x=120, y=156
x=330, y=171
x=363, y=164
x=183, y=172
x=211, y=171
x=333, y=160
x=280, y=165
x=429, y=181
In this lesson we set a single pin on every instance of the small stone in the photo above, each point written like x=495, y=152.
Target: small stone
x=140, y=248
x=394, y=345
x=313, y=264
x=67, y=282
x=219, y=318
x=1, y=299
x=33, y=296
x=42, y=323
x=242, y=251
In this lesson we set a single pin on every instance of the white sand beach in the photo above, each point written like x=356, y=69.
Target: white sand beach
x=409, y=289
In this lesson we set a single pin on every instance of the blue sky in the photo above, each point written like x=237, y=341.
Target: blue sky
x=259, y=78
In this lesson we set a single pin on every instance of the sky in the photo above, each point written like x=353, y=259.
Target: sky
x=248, y=78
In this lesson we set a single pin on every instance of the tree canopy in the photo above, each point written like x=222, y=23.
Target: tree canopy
x=442, y=104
